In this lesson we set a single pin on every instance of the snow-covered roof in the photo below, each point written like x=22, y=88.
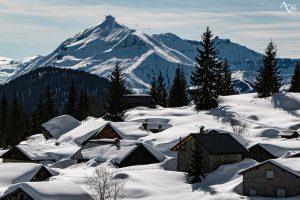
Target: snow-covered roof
x=129, y=130
x=126, y=130
x=84, y=132
x=12, y=173
x=60, y=125
x=112, y=150
x=291, y=165
x=53, y=190
x=2, y=151
x=43, y=152
x=278, y=148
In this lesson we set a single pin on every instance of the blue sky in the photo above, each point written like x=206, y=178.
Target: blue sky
x=37, y=27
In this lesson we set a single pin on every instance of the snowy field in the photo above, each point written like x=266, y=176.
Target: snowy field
x=265, y=118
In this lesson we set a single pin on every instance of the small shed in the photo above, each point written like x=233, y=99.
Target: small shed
x=58, y=190
x=137, y=100
x=289, y=134
x=121, y=153
x=57, y=126
x=271, y=149
x=12, y=173
x=273, y=178
x=37, y=153
x=218, y=149
x=155, y=125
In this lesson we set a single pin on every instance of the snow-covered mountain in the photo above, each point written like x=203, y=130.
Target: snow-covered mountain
x=141, y=56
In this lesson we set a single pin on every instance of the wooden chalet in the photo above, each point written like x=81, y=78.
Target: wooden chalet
x=38, y=153
x=121, y=153
x=120, y=130
x=218, y=149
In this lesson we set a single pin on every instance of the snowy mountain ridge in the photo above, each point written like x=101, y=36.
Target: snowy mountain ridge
x=141, y=56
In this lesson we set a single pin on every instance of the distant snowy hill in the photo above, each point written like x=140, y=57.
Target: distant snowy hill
x=141, y=56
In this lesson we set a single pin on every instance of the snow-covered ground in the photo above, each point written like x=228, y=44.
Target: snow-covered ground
x=265, y=117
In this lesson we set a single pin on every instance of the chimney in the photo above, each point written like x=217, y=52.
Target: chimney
x=145, y=125
x=201, y=129
x=159, y=128
x=117, y=142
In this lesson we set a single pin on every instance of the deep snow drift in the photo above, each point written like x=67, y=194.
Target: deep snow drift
x=265, y=117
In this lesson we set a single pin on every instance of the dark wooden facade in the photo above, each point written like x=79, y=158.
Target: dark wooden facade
x=257, y=183
x=107, y=133
x=140, y=156
x=46, y=133
x=18, y=194
x=258, y=153
x=41, y=175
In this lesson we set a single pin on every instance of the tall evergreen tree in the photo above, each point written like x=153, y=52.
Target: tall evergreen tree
x=153, y=90
x=268, y=81
x=71, y=104
x=295, y=82
x=51, y=109
x=83, y=108
x=16, y=122
x=116, y=103
x=203, y=78
x=219, y=78
x=161, y=91
x=3, y=119
x=227, y=81
x=195, y=165
x=178, y=91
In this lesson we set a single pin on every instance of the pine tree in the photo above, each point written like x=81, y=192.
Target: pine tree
x=116, y=103
x=195, y=165
x=71, y=104
x=16, y=123
x=161, y=91
x=3, y=119
x=178, y=91
x=51, y=109
x=295, y=82
x=268, y=80
x=153, y=90
x=203, y=78
x=83, y=108
x=227, y=82
x=219, y=78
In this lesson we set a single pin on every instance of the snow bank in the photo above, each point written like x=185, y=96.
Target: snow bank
x=51, y=190
x=12, y=173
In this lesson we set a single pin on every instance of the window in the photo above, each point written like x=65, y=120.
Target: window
x=281, y=193
x=252, y=192
x=270, y=174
